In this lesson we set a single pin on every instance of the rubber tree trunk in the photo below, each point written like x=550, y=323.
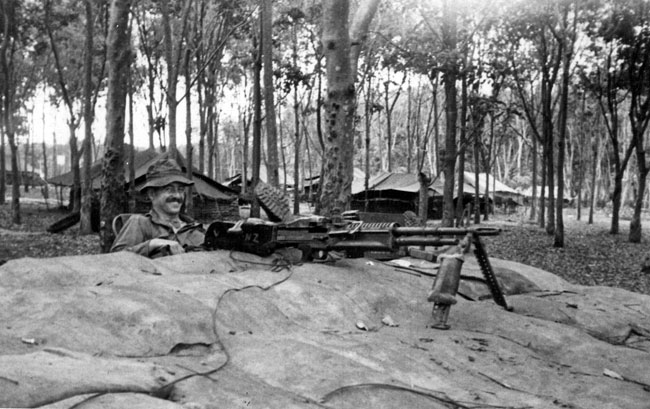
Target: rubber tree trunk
x=15, y=179
x=340, y=102
x=173, y=60
x=3, y=164
x=477, y=120
x=76, y=170
x=296, y=118
x=132, y=191
x=642, y=175
x=368, y=129
x=339, y=109
x=548, y=153
x=189, y=209
x=561, y=145
x=269, y=104
x=543, y=190
x=594, y=166
x=533, y=203
x=87, y=189
x=460, y=204
x=423, y=206
x=450, y=74
x=8, y=117
x=172, y=76
x=257, y=128
x=118, y=60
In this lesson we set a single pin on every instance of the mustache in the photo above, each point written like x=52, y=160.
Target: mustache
x=174, y=199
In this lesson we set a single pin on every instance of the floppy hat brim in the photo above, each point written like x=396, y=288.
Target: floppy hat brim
x=166, y=180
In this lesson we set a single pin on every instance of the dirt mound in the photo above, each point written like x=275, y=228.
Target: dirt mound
x=219, y=329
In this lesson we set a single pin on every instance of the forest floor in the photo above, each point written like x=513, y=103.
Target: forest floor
x=590, y=256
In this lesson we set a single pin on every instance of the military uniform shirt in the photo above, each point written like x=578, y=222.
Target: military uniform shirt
x=139, y=230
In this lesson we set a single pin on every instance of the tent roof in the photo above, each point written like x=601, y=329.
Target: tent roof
x=408, y=182
x=496, y=186
x=204, y=185
x=236, y=179
x=528, y=192
x=31, y=177
x=438, y=186
x=401, y=182
x=142, y=161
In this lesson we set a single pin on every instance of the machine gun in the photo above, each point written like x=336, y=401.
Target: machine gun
x=316, y=236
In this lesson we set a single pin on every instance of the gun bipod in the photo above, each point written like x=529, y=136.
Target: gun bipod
x=488, y=273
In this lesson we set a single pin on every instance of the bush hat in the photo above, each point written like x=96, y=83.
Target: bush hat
x=164, y=172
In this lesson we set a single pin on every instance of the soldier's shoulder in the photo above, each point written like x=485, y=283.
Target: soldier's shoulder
x=137, y=218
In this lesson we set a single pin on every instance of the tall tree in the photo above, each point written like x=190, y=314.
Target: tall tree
x=607, y=81
x=67, y=87
x=8, y=48
x=566, y=37
x=87, y=190
x=149, y=42
x=66, y=28
x=269, y=104
x=342, y=47
x=531, y=31
x=19, y=68
x=118, y=52
x=450, y=72
x=633, y=32
x=175, y=36
x=257, y=123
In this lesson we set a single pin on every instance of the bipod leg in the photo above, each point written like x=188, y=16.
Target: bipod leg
x=488, y=273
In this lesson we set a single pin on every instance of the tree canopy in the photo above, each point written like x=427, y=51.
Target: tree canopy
x=551, y=93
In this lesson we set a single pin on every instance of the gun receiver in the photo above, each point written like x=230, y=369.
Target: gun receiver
x=261, y=237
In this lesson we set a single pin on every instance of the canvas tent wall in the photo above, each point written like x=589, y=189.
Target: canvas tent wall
x=394, y=193
x=500, y=193
x=438, y=184
x=496, y=187
x=527, y=194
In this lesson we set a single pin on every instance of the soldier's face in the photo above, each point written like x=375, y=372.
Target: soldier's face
x=168, y=199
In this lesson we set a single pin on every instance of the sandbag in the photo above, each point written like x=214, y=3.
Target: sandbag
x=227, y=329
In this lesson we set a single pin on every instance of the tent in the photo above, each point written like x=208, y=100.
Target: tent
x=26, y=177
x=312, y=184
x=211, y=200
x=528, y=194
x=501, y=193
x=142, y=161
x=390, y=192
x=398, y=192
x=235, y=182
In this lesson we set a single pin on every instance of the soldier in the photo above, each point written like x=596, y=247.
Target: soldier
x=164, y=230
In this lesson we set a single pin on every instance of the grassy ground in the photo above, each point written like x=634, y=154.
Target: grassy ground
x=591, y=256
x=29, y=239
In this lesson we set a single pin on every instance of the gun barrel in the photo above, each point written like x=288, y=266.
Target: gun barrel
x=425, y=241
x=444, y=231
x=360, y=245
